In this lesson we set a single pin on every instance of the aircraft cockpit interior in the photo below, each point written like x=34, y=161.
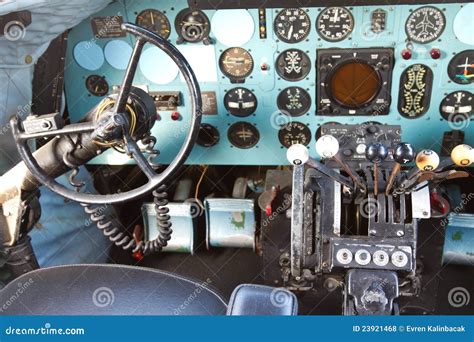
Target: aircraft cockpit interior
x=259, y=157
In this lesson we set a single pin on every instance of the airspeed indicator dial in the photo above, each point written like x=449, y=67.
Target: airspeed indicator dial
x=154, y=21
x=334, y=23
x=292, y=25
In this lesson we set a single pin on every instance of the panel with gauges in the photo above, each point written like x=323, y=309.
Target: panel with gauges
x=270, y=77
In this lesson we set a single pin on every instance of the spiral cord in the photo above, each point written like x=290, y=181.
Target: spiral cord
x=120, y=239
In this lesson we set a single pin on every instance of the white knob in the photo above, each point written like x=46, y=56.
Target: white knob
x=462, y=155
x=297, y=154
x=427, y=160
x=327, y=146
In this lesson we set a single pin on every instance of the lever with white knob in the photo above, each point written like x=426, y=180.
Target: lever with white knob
x=298, y=154
x=327, y=146
x=426, y=161
x=461, y=155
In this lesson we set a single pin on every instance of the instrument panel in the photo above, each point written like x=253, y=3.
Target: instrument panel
x=271, y=77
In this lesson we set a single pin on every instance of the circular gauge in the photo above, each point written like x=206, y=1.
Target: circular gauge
x=292, y=25
x=334, y=23
x=240, y=102
x=457, y=106
x=293, y=65
x=97, y=85
x=354, y=84
x=236, y=63
x=154, y=21
x=461, y=67
x=243, y=135
x=294, y=101
x=425, y=24
x=192, y=25
x=294, y=133
x=208, y=136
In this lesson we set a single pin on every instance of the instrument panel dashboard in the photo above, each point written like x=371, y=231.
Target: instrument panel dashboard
x=270, y=77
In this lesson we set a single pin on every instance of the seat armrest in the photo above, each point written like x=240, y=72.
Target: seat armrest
x=259, y=300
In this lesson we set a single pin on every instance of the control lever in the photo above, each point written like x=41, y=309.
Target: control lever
x=327, y=146
x=461, y=155
x=403, y=154
x=376, y=154
x=426, y=161
x=298, y=154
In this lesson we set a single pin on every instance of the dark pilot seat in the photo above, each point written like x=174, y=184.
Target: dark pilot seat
x=128, y=290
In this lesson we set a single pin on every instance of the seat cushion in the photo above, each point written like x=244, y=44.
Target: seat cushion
x=108, y=290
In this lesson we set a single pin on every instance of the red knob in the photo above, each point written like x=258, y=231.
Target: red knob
x=406, y=53
x=435, y=53
x=175, y=116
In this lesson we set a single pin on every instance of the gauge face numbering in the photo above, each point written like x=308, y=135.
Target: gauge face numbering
x=294, y=133
x=236, y=63
x=457, y=106
x=425, y=24
x=192, y=25
x=294, y=101
x=293, y=65
x=243, y=135
x=292, y=25
x=240, y=102
x=334, y=23
x=97, y=85
x=154, y=21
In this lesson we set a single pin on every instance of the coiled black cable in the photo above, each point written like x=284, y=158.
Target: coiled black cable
x=105, y=224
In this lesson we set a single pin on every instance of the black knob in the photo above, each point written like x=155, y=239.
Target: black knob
x=404, y=153
x=376, y=153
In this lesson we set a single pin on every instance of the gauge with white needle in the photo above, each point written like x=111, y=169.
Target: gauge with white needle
x=457, y=106
x=292, y=25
